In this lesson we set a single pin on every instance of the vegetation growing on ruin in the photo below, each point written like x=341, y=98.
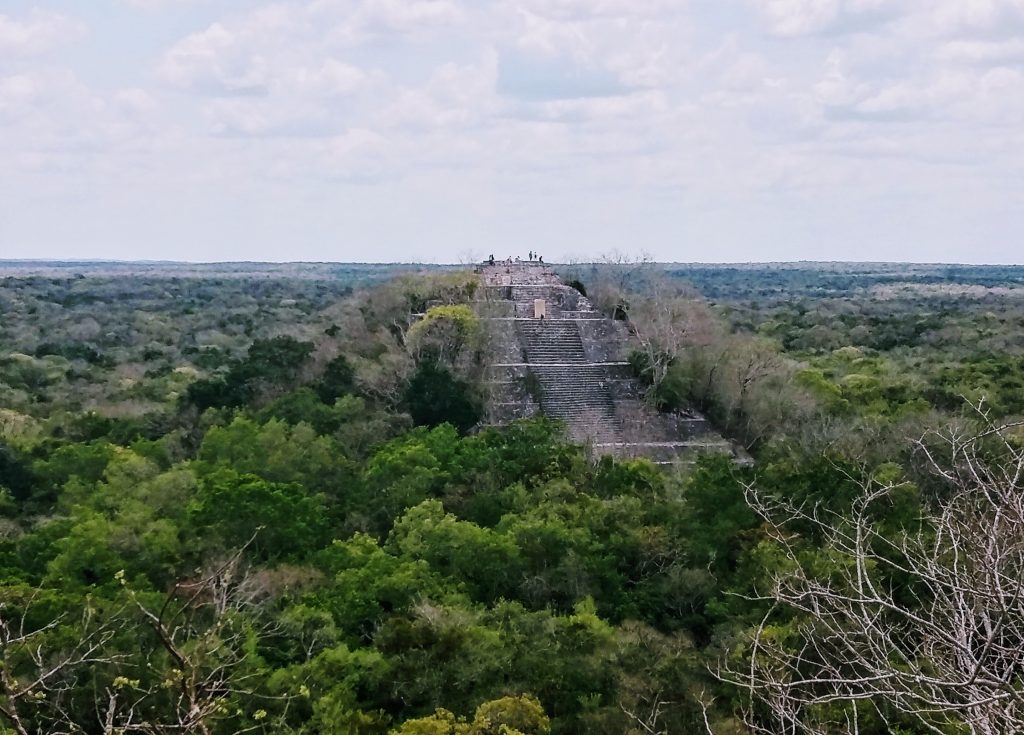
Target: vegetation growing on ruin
x=265, y=504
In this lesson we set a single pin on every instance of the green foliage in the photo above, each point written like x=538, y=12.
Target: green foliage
x=15, y=473
x=445, y=333
x=271, y=365
x=578, y=285
x=716, y=516
x=673, y=392
x=533, y=387
x=367, y=583
x=132, y=519
x=435, y=396
x=28, y=375
x=338, y=379
x=276, y=360
x=278, y=452
x=421, y=579
x=522, y=715
x=281, y=519
x=483, y=559
x=74, y=351
x=303, y=406
x=447, y=289
x=826, y=391
x=85, y=461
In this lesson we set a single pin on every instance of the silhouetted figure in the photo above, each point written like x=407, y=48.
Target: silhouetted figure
x=540, y=259
x=490, y=260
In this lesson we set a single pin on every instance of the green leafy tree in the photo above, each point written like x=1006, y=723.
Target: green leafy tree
x=367, y=584
x=522, y=715
x=132, y=520
x=486, y=561
x=281, y=453
x=337, y=380
x=270, y=367
x=282, y=519
x=435, y=396
x=303, y=406
x=444, y=334
x=15, y=473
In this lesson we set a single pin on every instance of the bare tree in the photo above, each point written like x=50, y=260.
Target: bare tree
x=667, y=320
x=665, y=315
x=205, y=627
x=385, y=378
x=923, y=622
x=36, y=673
x=198, y=676
x=613, y=277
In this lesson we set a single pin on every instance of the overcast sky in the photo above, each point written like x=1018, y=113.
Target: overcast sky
x=431, y=130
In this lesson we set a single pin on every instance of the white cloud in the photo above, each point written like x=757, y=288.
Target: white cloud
x=806, y=17
x=648, y=115
x=983, y=52
x=332, y=77
x=38, y=32
x=455, y=97
x=404, y=16
x=797, y=17
x=154, y=4
x=997, y=17
x=230, y=58
x=52, y=121
x=17, y=94
x=353, y=22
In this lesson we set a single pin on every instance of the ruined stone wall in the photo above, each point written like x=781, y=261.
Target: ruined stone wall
x=572, y=365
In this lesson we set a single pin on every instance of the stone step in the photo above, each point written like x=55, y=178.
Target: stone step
x=555, y=342
x=504, y=372
x=556, y=339
x=504, y=413
x=556, y=326
x=554, y=406
x=547, y=320
x=578, y=359
x=578, y=393
x=587, y=394
x=566, y=372
x=573, y=374
x=666, y=452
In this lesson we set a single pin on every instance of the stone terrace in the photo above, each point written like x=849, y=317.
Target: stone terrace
x=571, y=365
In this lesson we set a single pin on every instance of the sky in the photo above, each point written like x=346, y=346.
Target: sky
x=448, y=130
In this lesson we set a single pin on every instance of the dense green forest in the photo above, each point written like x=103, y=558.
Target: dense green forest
x=259, y=499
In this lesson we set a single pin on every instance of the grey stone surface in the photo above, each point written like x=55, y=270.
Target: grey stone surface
x=572, y=366
x=604, y=340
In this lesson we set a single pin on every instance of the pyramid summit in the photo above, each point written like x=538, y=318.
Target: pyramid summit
x=553, y=354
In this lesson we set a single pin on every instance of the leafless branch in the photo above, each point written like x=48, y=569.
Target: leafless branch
x=925, y=621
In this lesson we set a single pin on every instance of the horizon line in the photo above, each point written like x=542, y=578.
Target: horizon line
x=212, y=263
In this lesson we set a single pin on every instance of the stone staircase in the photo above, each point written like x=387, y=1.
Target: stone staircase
x=571, y=389
x=571, y=366
x=551, y=341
